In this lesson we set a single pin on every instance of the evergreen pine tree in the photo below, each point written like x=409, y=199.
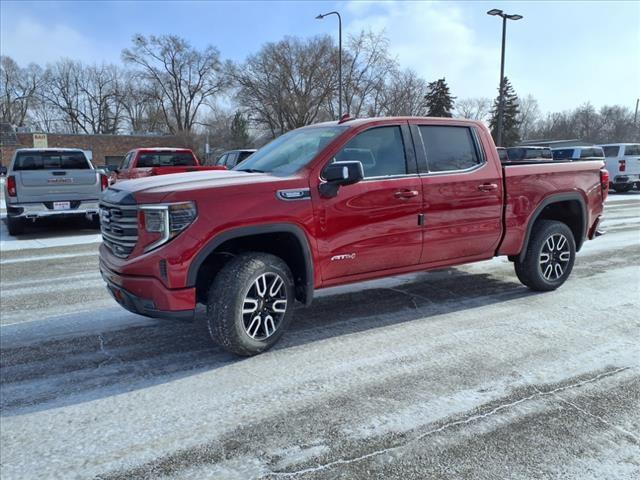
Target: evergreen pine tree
x=510, y=116
x=438, y=99
x=239, y=131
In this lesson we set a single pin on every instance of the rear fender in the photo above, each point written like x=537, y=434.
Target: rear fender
x=562, y=197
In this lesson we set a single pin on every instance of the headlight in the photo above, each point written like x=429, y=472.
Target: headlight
x=168, y=220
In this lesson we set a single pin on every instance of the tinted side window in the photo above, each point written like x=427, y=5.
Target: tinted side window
x=563, y=154
x=595, y=152
x=127, y=160
x=632, y=150
x=449, y=148
x=611, y=151
x=222, y=160
x=243, y=155
x=381, y=151
x=231, y=160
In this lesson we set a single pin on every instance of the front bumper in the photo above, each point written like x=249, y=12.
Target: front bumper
x=147, y=296
x=87, y=208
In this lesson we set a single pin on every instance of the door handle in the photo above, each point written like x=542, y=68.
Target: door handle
x=488, y=187
x=406, y=194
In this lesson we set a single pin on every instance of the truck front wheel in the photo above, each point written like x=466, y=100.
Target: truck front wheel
x=250, y=303
x=549, y=258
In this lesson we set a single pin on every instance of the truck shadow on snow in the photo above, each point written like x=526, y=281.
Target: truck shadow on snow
x=68, y=371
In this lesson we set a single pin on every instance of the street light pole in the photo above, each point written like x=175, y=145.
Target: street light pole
x=320, y=17
x=501, y=93
x=505, y=17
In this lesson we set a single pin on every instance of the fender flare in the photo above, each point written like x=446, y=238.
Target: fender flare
x=561, y=197
x=240, y=232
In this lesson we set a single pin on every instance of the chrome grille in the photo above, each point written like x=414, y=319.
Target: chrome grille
x=119, y=227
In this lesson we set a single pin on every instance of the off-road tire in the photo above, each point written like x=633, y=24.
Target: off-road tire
x=623, y=188
x=15, y=226
x=530, y=271
x=226, y=299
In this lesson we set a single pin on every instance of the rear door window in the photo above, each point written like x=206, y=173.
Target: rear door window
x=231, y=160
x=633, y=150
x=243, y=155
x=563, y=154
x=450, y=148
x=611, y=151
x=591, y=152
x=51, y=161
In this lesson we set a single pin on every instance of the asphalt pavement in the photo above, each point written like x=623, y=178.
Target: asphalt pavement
x=460, y=373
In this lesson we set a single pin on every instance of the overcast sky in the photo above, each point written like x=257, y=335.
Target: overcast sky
x=563, y=53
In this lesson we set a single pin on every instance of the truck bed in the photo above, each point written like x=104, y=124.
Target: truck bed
x=527, y=186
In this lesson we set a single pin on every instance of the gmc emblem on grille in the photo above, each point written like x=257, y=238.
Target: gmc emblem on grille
x=105, y=216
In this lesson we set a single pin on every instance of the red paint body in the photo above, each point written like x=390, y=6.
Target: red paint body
x=131, y=170
x=468, y=216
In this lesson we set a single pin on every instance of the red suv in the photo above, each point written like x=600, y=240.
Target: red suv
x=336, y=203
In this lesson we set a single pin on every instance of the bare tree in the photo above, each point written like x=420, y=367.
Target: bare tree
x=18, y=89
x=286, y=84
x=478, y=108
x=529, y=115
x=184, y=78
x=366, y=66
x=86, y=96
x=142, y=104
x=403, y=94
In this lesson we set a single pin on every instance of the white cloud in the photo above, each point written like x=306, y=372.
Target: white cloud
x=27, y=40
x=435, y=40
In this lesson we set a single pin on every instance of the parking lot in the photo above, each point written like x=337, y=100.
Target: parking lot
x=459, y=373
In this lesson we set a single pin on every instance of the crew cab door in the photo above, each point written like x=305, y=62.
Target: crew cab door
x=373, y=225
x=463, y=193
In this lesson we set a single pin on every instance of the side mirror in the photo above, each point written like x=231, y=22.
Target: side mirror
x=338, y=174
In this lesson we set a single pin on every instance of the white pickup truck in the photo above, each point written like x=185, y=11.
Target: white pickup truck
x=43, y=182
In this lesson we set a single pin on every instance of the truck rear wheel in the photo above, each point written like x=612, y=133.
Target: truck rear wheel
x=622, y=188
x=549, y=258
x=250, y=303
x=15, y=226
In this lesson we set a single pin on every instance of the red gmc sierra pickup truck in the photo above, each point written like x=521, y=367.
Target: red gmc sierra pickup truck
x=335, y=203
x=148, y=162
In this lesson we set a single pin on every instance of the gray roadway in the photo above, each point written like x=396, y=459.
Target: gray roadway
x=460, y=373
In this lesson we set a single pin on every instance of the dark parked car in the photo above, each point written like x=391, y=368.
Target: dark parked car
x=527, y=153
x=3, y=170
x=578, y=153
x=232, y=158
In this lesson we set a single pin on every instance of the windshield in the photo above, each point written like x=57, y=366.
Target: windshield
x=292, y=151
x=51, y=161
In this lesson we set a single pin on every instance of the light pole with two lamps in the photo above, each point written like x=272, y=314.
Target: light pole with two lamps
x=499, y=13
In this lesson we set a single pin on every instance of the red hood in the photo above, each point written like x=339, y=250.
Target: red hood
x=180, y=182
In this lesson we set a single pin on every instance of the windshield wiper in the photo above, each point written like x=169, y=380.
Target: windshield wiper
x=250, y=170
